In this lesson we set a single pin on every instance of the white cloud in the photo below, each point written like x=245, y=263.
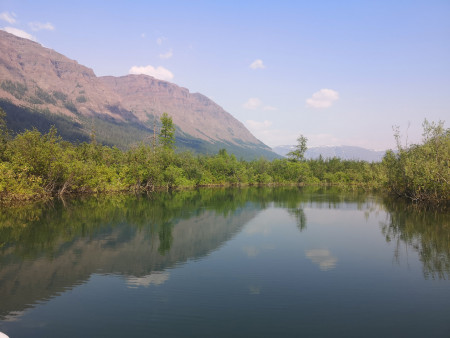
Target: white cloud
x=258, y=228
x=270, y=108
x=324, y=98
x=38, y=26
x=255, y=103
x=13, y=316
x=257, y=64
x=8, y=17
x=156, y=278
x=323, y=258
x=160, y=73
x=167, y=55
x=143, y=35
x=252, y=103
x=20, y=33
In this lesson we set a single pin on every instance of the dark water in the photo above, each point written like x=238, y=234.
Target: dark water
x=256, y=262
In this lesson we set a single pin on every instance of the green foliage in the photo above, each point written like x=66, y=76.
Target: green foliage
x=175, y=177
x=17, y=184
x=167, y=133
x=40, y=165
x=421, y=172
x=299, y=153
x=37, y=165
x=143, y=168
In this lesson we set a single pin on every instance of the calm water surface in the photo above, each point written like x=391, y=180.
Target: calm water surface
x=254, y=262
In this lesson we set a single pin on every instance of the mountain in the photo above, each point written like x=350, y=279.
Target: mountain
x=342, y=152
x=40, y=87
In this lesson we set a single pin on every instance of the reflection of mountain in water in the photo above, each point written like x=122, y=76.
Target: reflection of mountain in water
x=114, y=247
x=47, y=250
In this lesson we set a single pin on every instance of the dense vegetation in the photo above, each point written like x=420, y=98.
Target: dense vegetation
x=421, y=172
x=39, y=166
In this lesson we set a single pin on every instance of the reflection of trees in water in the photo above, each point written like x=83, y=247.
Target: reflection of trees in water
x=48, y=250
x=426, y=231
x=39, y=230
x=116, y=233
x=299, y=216
x=324, y=198
x=165, y=238
x=34, y=230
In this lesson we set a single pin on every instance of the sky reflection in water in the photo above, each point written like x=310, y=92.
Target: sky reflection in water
x=225, y=262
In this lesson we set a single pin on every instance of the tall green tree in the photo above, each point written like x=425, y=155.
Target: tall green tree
x=298, y=154
x=167, y=134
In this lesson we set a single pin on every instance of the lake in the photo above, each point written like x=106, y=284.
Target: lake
x=249, y=262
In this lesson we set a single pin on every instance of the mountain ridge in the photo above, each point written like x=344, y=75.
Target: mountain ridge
x=38, y=83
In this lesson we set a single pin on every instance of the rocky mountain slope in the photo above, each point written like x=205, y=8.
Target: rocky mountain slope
x=195, y=114
x=40, y=87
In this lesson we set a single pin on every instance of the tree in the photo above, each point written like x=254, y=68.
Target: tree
x=298, y=154
x=167, y=134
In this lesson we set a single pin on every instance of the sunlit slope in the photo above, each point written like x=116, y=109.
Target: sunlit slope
x=40, y=87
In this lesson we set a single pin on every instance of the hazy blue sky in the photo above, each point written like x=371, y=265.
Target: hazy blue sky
x=338, y=72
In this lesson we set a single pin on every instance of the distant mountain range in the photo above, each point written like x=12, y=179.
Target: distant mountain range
x=342, y=152
x=40, y=87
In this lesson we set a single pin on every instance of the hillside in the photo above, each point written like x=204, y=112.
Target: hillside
x=40, y=87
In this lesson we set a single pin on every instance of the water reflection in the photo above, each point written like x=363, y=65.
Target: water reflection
x=425, y=231
x=155, y=278
x=47, y=249
x=254, y=289
x=251, y=251
x=299, y=215
x=323, y=258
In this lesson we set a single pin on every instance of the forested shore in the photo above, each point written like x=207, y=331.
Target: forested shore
x=36, y=166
